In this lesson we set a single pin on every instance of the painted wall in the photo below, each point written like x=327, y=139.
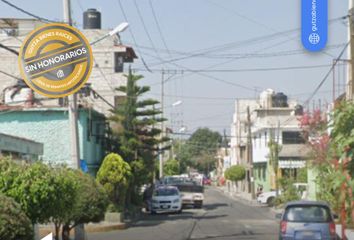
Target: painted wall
x=50, y=126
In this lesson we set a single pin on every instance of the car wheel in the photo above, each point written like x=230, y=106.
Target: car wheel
x=179, y=211
x=270, y=201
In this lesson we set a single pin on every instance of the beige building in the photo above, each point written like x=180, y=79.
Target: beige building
x=110, y=58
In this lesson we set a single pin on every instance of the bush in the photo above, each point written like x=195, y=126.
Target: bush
x=290, y=192
x=235, y=173
x=14, y=224
x=89, y=205
x=114, y=175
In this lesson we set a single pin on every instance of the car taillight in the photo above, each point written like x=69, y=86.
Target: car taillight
x=283, y=227
x=332, y=228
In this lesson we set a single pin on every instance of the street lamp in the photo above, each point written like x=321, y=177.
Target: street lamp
x=175, y=104
x=120, y=28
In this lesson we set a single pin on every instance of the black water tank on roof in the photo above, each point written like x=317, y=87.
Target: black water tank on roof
x=279, y=100
x=92, y=19
x=299, y=110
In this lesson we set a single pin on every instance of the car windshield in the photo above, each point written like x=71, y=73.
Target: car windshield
x=166, y=192
x=307, y=214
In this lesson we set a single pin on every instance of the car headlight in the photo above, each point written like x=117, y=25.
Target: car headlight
x=176, y=200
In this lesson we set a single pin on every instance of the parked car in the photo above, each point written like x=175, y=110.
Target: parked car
x=166, y=199
x=269, y=197
x=192, y=194
x=307, y=220
x=206, y=181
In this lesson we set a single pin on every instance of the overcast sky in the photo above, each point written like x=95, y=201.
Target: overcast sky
x=223, y=38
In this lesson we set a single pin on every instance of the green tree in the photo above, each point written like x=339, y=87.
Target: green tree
x=114, y=175
x=171, y=167
x=14, y=224
x=235, y=173
x=137, y=131
x=90, y=203
x=200, y=149
x=37, y=189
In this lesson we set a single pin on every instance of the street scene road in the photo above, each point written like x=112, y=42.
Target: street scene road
x=221, y=218
x=176, y=120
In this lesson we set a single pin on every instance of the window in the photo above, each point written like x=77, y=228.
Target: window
x=260, y=140
x=317, y=214
x=265, y=139
x=118, y=62
x=292, y=138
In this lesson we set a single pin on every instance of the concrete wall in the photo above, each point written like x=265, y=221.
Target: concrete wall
x=51, y=127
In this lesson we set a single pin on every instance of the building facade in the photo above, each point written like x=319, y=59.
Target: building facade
x=255, y=123
x=50, y=127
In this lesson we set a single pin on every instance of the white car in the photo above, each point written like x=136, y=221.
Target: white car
x=269, y=197
x=166, y=199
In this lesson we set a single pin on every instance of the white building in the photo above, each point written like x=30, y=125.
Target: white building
x=271, y=116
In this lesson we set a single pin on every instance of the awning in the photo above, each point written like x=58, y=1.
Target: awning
x=292, y=163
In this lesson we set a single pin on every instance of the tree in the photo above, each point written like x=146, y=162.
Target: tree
x=37, y=189
x=14, y=224
x=332, y=156
x=200, y=149
x=171, y=167
x=90, y=203
x=235, y=173
x=138, y=137
x=114, y=175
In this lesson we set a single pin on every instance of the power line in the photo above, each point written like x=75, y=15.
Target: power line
x=237, y=44
x=133, y=37
x=328, y=73
x=158, y=27
x=243, y=70
x=26, y=12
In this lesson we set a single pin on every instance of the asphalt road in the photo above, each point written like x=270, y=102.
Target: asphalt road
x=221, y=218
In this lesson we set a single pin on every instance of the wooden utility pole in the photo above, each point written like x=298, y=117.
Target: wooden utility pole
x=249, y=152
x=350, y=80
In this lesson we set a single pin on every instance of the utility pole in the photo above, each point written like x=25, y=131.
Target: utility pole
x=72, y=109
x=249, y=152
x=350, y=80
x=162, y=124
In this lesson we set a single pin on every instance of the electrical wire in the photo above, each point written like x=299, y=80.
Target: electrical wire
x=133, y=37
x=42, y=19
x=159, y=28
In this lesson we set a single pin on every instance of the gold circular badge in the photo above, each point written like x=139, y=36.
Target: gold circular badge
x=55, y=60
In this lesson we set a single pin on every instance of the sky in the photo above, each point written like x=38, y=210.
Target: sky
x=214, y=51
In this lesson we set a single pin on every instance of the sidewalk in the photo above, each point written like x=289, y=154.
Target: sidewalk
x=239, y=196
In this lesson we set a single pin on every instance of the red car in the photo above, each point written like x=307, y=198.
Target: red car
x=206, y=181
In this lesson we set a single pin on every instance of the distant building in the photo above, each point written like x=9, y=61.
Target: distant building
x=49, y=125
x=272, y=115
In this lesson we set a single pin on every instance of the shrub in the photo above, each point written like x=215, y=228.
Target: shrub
x=235, y=173
x=114, y=175
x=14, y=224
x=290, y=192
